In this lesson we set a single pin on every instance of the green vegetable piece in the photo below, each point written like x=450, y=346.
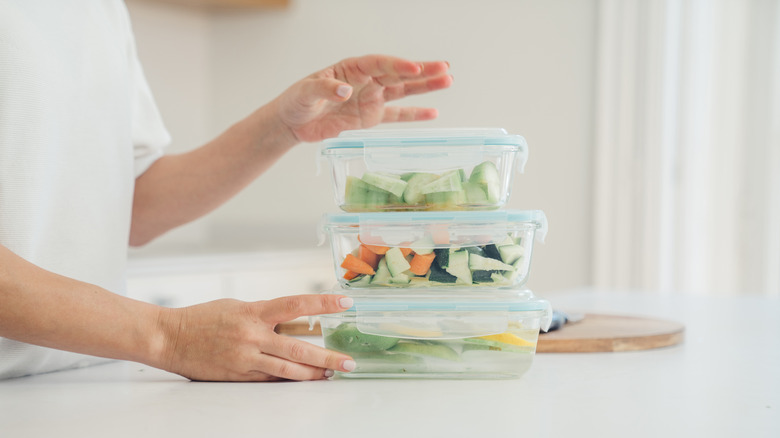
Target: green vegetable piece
x=394, y=185
x=439, y=275
x=413, y=194
x=486, y=174
x=442, y=257
x=459, y=266
x=449, y=182
x=475, y=193
x=426, y=349
x=483, y=276
x=478, y=262
x=382, y=275
x=511, y=253
x=347, y=338
x=492, y=252
x=396, y=262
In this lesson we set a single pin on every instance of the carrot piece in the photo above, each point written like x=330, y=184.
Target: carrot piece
x=368, y=256
x=379, y=250
x=421, y=263
x=349, y=275
x=406, y=251
x=354, y=264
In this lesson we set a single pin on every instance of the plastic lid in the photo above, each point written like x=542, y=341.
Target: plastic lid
x=423, y=137
x=443, y=313
x=434, y=150
x=479, y=222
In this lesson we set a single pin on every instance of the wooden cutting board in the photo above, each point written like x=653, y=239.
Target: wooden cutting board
x=594, y=333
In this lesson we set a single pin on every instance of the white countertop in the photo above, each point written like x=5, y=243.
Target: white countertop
x=723, y=381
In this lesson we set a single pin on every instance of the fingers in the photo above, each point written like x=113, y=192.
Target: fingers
x=301, y=352
x=408, y=114
x=288, y=308
x=409, y=88
x=279, y=368
x=388, y=70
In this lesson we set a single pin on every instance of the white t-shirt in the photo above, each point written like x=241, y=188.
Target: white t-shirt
x=78, y=124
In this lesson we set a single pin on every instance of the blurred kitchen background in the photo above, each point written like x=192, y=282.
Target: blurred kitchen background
x=653, y=129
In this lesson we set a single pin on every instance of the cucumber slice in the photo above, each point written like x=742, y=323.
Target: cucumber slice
x=433, y=349
x=513, y=274
x=382, y=275
x=486, y=174
x=424, y=245
x=401, y=278
x=445, y=200
x=477, y=262
x=507, y=241
x=510, y=253
x=449, y=182
x=396, y=262
x=376, y=198
x=355, y=191
x=475, y=193
x=394, y=185
x=347, y=338
x=413, y=193
x=474, y=250
x=442, y=257
x=362, y=281
x=439, y=275
x=492, y=252
x=481, y=276
x=499, y=278
x=459, y=266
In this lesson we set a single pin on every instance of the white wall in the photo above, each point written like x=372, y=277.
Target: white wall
x=526, y=66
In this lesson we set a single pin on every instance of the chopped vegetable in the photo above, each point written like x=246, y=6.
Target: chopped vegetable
x=354, y=264
x=421, y=263
x=368, y=256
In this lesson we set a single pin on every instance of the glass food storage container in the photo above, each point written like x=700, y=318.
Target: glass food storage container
x=432, y=248
x=433, y=169
x=438, y=334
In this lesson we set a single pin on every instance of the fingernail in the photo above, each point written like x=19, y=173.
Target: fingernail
x=345, y=302
x=348, y=365
x=343, y=90
x=329, y=373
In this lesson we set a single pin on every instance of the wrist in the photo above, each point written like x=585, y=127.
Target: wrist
x=164, y=329
x=268, y=130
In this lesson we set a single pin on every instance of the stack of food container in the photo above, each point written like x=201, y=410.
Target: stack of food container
x=434, y=265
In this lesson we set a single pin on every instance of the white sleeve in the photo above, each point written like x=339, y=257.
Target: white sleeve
x=150, y=137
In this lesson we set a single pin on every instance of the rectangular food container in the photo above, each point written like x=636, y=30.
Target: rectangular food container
x=438, y=334
x=433, y=248
x=433, y=169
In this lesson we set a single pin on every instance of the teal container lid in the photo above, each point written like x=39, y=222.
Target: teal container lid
x=443, y=313
x=423, y=137
x=497, y=221
x=435, y=149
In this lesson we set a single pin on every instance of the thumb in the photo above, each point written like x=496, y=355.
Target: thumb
x=328, y=89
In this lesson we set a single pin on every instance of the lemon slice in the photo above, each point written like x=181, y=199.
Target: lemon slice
x=508, y=338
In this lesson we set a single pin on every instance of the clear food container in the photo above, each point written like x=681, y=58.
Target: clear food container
x=433, y=169
x=432, y=248
x=438, y=334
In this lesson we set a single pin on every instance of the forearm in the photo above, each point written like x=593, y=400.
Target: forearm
x=43, y=308
x=180, y=188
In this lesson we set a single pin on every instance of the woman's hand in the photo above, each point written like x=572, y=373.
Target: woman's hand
x=230, y=340
x=352, y=95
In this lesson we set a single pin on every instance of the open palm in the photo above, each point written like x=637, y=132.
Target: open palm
x=353, y=93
